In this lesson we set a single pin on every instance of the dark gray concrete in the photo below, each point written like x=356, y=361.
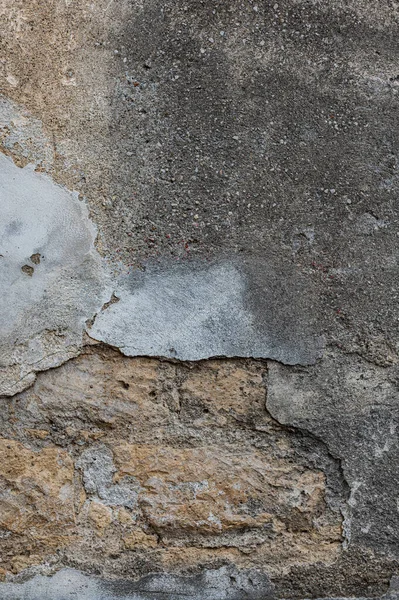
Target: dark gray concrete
x=265, y=131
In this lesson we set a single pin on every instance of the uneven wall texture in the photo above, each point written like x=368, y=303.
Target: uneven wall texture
x=199, y=325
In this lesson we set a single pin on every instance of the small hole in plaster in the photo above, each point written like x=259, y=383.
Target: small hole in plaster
x=28, y=270
x=35, y=258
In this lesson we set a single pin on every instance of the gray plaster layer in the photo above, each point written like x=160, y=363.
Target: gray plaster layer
x=97, y=467
x=353, y=406
x=264, y=129
x=226, y=583
x=51, y=277
x=68, y=584
x=192, y=311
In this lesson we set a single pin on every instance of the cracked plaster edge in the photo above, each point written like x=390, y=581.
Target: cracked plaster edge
x=345, y=508
x=29, y=370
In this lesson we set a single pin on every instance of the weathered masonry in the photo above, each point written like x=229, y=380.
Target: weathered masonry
x=199, y=324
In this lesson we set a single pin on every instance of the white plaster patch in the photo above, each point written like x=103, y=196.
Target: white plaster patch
x=51, y=277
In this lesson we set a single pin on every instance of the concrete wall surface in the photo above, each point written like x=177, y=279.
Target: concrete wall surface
x=199, y=324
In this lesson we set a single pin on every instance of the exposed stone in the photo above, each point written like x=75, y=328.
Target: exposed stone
x=217, y=496
x=138, y=538
x=100, y=515
x=37, y=513
x=178, y=464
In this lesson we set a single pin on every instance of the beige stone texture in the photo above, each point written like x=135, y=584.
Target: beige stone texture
x=129, y=461
x=36, y=502
x=100, y=516
x=141, y=539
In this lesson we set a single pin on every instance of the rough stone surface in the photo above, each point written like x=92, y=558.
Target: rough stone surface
x=37, y=512
x=175, y=466
x=183, y=181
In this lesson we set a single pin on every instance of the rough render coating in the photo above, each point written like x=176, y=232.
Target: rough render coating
x=228, y=174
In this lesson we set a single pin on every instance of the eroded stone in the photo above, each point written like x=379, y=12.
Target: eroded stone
x=37, y=496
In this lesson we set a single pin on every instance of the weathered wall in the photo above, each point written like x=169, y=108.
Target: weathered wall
x=199, y=329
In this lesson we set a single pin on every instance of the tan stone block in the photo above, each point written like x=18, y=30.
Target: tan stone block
x=21, y=562
x=226, y=388
x=100, y=515
x=36, y=502
x=38, y=497
x=124, y=517
x=40, y=434
x=211, y=491
x=104, y=387
x=139, y=539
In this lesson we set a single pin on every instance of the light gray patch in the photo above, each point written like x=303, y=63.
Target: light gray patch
x=231, y=308
x=368, y=224
x=98, y=470
x=225, y=583
x=13, y=228
x=43, y=315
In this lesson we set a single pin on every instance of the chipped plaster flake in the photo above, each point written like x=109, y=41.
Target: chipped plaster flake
x=194, y=311
x=44, y=306
x=53, y=280
x=184, y=314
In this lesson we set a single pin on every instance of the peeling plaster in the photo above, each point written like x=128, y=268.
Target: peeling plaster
x=194, y=311
x=54, y=281
x=44, y=305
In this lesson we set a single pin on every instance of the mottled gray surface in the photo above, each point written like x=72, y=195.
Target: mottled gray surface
x=264, y=130
x=240, y=160
x=68, y=584
x=97, y=468
x=240, y=133
x=219, y=584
